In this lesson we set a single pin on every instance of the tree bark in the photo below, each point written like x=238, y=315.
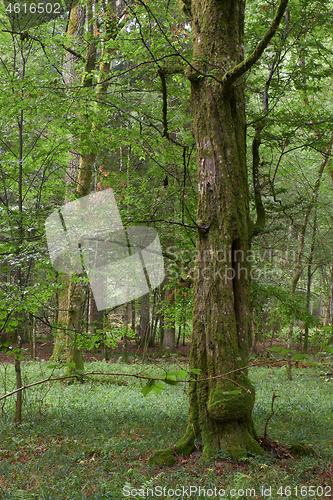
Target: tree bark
x=95, y=318
x=77, y=290
x=309, y=282
x=70, y=76
x=219, y=420
x=144, y=328
x=169, y=335
x=221, y=309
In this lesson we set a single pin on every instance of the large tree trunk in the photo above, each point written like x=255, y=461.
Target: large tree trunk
x=77, y=290
x=219, y=419
x=221, y=309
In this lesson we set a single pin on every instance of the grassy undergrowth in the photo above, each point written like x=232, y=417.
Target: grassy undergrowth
x=92, y=440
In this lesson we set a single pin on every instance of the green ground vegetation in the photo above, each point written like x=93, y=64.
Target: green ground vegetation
x=93, y=439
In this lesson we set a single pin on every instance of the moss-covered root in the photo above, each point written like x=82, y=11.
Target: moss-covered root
x=168, y=456
x=238, y=441
x=162, y=457
x=301, y=449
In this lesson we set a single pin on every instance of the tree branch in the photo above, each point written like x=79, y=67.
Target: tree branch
x=73, y=52
x=270, y=416
x=245, y=65
x=260, y=209
x=165, y=104
x=133, y=375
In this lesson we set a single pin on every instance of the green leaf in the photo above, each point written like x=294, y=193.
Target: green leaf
x=299, y=356
x=196, y=371
x=232, y=393
x=181, y=374
x=170, y=381
x=146, y=389
x=328, y=348
x=286, y=351
x=170, y=378
x=157, y=387
x=19, y=356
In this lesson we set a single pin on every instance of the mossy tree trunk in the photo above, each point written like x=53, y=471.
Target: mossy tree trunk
x=77, y=289
x=70, y=74
x=169, y=334
x=221, y=309
x=219, y=420
x=145, y=337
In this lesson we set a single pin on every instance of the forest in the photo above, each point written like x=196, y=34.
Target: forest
x=166, y=249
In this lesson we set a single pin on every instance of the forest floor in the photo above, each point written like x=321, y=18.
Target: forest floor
x=44, y=351
x=92, y=440
x=44, y=348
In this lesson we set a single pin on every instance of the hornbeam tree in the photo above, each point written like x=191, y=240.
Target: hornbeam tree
x=222, y=397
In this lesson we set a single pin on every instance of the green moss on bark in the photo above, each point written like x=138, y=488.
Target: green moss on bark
x=74, y=355
x=167, y=456
x=59, y=349
x=222, y=422
x=301, y=449
x=223, y=406
x=162, y=457
x=186, y=444
x=239, y=442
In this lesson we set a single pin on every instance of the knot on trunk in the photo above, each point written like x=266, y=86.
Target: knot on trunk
x=232, y=400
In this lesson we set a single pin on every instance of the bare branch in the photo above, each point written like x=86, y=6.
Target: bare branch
x=165, y=103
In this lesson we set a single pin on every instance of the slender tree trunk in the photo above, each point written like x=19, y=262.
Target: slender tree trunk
x=309, y=283
x=33, y=339
x=168, y=343
x=169, y=334
x=179, y=335
x=20, y=286
x=133, y=321
x=127, y=319
x=19, y=396
x=301, y=240
x=77, y=290
x=145, y=334
x=70, y=75
x=95, y=317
